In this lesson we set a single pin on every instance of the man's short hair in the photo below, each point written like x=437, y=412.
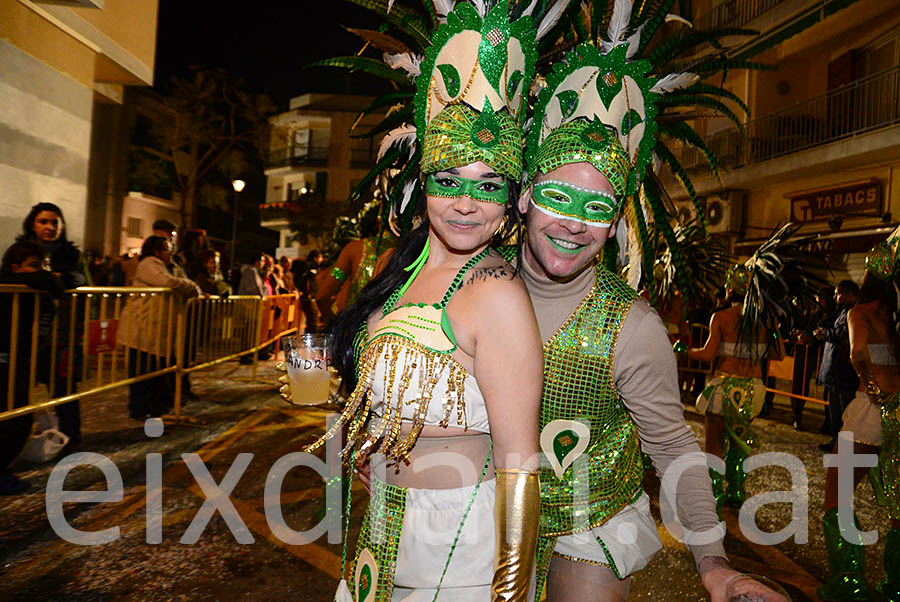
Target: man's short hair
x=848, y=286
x=165, y=225
x=253, y=257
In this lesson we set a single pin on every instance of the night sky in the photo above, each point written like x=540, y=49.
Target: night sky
x=266, y=42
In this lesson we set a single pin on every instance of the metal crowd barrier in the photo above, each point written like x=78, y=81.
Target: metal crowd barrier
x=91, y=340
x=76, y=345
x=217, y=330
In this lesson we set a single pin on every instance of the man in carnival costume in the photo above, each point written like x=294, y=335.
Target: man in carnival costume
x=610, y=377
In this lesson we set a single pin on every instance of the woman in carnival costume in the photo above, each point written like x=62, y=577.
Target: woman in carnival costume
x=872, y=421
x=742, y=337
x=735, y=395
x=440, y=353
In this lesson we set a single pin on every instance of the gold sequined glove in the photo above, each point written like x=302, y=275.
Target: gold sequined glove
x=285, y=390
x=516, y=512
x=862, y=362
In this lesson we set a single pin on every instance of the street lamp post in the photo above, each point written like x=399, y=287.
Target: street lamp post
x=238, y=186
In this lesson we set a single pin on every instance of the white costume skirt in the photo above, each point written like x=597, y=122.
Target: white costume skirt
x=630, y=538
x=863, y=419
x=430, y=525
x=749, y=403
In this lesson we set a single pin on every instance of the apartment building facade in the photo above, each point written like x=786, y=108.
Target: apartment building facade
x=314, y=160
x=821, y=145
x=61, y=60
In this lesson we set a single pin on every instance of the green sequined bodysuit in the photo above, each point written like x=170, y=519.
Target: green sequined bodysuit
x=579, y=385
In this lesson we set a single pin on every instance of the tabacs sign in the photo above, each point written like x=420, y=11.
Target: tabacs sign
x=859, y=198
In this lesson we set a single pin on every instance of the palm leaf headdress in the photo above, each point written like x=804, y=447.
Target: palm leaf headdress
x=462, y=70
x=647, y=90
x=782, y=274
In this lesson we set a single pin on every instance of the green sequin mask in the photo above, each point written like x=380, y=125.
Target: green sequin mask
x=585, y=142
x=881, y=260
x=453, y=187
x=592, y=207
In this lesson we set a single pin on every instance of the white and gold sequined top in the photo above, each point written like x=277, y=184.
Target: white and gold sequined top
x=405, y=372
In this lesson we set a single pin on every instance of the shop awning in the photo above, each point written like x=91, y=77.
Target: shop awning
x=842, y=241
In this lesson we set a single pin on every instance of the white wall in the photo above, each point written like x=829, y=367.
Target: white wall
x=45, y=131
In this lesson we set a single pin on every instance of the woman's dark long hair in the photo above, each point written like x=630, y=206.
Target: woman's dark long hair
x=347, y=324
x=28, y=223
x=885, y=293
x=153, y=245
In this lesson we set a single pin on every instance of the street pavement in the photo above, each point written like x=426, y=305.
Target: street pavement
x=235, y=416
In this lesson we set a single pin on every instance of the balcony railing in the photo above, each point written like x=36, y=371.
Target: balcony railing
x=864, y=105
x=735, y=13
x=362, y=154
x=298, y=155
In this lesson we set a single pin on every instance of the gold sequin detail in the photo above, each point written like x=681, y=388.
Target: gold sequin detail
x=485, y=135
x=430, y=366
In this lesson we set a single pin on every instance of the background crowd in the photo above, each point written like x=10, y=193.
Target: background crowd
x=43, y=258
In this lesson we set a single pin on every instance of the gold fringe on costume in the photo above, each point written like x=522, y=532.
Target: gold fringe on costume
x=430, y=366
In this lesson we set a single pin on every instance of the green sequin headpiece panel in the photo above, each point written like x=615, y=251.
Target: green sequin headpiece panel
x=584, y=141
x=460, y=135
x=882, y=259
x=737, y=278
x=608, y=88
x=475, y=64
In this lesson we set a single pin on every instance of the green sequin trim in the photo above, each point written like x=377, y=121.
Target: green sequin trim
x=380, y=534
x=889, y=458
x=737, y=411
x=338, y=274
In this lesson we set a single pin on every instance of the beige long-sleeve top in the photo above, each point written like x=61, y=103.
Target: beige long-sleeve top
x=145, y=319
x=646, y=377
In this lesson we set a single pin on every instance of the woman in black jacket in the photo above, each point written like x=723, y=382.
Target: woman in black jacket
x=22, y=264
x=46, y=226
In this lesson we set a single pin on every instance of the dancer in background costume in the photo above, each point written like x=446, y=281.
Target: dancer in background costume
x=872, y=421
x=736, y=393
x=448, y=307
x=744, y=336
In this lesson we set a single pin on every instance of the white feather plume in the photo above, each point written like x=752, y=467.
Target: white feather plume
x=619, y=21
x=404, y=133
x=675, y=81
x=479, y=6
x=407, y=194
x=634, y=42
x=670, y=17
x=552, y=17
x=404, y=60
x=443, y=8
x=390, y=6
x=530, y=8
